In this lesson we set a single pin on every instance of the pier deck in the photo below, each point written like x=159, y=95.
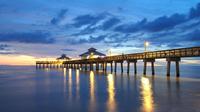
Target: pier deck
x=171, y=55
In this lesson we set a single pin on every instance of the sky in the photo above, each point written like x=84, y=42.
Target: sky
x=44, y=29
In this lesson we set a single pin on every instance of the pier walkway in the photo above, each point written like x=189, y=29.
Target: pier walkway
x=171, y=55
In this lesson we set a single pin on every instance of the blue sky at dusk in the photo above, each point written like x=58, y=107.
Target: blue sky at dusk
x=48, y=28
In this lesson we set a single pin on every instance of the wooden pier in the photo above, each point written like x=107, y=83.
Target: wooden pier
x=172, y=55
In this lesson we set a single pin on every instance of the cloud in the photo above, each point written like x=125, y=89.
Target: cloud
x=120, y=9
x=165, y=23
x=68, y=49
x=91, y=39
x=159, y=24
x=27, y=37
x=110, y=23
x=85, y=31
x=88, y=19
x=60, y=17
x=121, y=45
x=96, y=39
x=4, y=46
x=195, y=12
x=193, y=24
x=117, y=38
x=5, y=49
x=176, y=38
x=130, y=27
x=91, y=23
x=193, y=36
x=7, y=52
x=161, y=31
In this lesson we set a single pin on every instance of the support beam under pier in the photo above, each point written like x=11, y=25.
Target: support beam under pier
x=135, y=65
x=115, y=67
x=121, y=63
x=97, y=66
x=176, y=60
x=152, y=65
x=105, y=66
x=86, y=67
x=91, y=66
x=122, y=67
x=111, y=66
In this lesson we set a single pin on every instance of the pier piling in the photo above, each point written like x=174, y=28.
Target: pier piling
x=115, y=67
x=176, y=60
x=111, y=67
x=151, y=60
x=122, y=67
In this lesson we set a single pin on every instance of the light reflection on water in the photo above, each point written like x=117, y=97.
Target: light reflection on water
x=70, y=84
x=111, y=103
x=92, y=92
x=42, y=90
x=64, y=78
x=77, y=84
x=146, y=93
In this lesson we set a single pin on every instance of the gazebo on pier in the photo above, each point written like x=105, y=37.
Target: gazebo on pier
x=91, y=53
x=63, y=57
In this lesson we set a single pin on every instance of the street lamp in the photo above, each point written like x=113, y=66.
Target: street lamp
x=146, y=44
x=109, y=52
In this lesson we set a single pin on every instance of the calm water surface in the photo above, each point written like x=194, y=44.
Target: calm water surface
x=25, y=89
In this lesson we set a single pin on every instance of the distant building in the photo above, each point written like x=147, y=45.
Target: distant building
x=91, y=53
x=63, y=58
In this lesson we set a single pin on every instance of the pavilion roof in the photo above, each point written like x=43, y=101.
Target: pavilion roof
x=92, y=50
x=63, y=56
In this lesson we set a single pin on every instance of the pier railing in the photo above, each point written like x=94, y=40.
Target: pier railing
x=172, y=53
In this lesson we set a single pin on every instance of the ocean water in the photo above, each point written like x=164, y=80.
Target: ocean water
x=27, y=89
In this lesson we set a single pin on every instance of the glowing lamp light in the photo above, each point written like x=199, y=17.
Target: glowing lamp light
x=146, y=44
x=91, y=55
